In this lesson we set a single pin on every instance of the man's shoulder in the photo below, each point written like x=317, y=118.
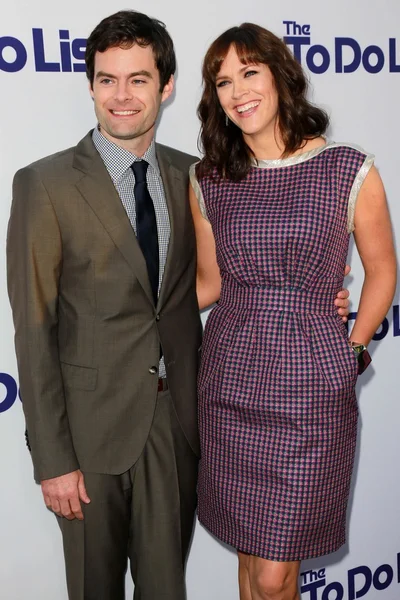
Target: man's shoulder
x=180, y=159
x=62, y=158
x=57, y=163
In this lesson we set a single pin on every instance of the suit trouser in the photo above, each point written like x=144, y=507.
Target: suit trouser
x=145, y=514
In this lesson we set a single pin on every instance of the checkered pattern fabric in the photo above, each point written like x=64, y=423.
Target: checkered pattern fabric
x=277, y=406
x=118, y=163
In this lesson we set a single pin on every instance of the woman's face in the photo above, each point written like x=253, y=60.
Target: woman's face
x=248, y=96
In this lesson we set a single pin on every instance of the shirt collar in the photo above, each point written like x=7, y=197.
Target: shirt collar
x=116, y=159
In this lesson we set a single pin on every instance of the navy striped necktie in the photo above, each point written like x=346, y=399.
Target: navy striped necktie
x=146, y=224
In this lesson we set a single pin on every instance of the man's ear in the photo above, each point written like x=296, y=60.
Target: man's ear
x=91, y=92
x=168, y=89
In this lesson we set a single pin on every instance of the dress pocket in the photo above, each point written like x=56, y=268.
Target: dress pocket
x=219, y=336
x=342, y=330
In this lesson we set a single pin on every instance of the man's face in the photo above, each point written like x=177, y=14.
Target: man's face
x=127, y=97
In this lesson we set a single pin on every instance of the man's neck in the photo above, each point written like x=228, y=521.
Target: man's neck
x=137, y=146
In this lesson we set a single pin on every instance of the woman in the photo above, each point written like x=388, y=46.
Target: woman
x=273, y=205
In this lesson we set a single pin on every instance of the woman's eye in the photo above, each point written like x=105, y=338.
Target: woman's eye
x=222, y=83
x=250, y=73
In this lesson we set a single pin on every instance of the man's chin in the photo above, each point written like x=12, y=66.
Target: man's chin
x=130, y=135
x=124, y=135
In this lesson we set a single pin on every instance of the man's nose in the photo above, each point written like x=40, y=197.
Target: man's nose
x=123, y=92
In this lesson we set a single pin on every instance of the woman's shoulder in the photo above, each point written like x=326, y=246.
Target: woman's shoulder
x=322, y=144
x=348, y=148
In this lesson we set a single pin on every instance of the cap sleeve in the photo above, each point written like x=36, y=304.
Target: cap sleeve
x=355, y=189
x=197, y=190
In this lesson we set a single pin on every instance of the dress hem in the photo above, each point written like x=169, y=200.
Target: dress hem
x=266, y=556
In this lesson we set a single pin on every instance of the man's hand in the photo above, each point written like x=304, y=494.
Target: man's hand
x=341, y=300
x=63, y=494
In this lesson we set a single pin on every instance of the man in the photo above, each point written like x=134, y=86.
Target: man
x=101, y=276
x=95, y=294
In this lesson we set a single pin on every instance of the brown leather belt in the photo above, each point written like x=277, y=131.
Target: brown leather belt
x=162, y=384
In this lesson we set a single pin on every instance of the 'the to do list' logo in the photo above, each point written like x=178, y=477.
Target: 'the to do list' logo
x=361, y=582
x=70, y=54
x=346, y=56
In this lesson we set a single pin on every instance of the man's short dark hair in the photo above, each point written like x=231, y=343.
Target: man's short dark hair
x=128, y=27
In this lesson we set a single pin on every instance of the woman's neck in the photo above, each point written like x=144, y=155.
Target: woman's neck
x=265, y=147
x=272, y=148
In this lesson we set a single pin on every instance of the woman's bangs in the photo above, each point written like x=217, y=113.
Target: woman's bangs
x=247, y=53
x=243, y=42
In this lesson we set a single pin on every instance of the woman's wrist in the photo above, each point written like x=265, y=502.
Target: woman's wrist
x=362, y=355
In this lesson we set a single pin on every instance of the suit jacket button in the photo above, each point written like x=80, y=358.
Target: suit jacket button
x=157, y=317
x=153, y=370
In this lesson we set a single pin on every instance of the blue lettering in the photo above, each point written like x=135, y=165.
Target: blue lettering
x=11, y=387
x=38, y=49
x=353, y=66
x=380, y=59
x=312, y=588
x=365, y=572
x=393, y=66
x=297, y=42
x=20, y=55
x=69, y=50
x=288, y=24
x=78, y=52
x=382, y=585
x=379, y=335
x=360, y=582
x=65, y=51
x=293, y=28
x=384, y=328
x=318, y=57
x=396, y=321
x=333, y=587
x=351, y=317
x=325, y=62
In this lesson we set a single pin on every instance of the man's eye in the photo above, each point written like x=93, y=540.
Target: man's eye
x=105, y=80
x=138, y=81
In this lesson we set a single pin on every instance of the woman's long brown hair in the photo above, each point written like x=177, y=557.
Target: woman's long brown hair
x=298, y=120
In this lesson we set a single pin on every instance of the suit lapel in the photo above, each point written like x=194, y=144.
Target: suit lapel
x=174, y=186
x=99, y=192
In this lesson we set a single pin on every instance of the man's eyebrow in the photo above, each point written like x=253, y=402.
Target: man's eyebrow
x=142, y=73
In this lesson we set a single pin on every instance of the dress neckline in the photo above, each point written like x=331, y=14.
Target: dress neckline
x=291, y=160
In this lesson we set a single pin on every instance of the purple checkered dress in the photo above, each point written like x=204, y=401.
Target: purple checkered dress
x=277, y=405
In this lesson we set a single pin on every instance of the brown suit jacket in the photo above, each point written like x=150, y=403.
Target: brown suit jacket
x=87, y=333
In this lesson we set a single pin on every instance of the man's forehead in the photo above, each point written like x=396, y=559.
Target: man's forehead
x=124, y=55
